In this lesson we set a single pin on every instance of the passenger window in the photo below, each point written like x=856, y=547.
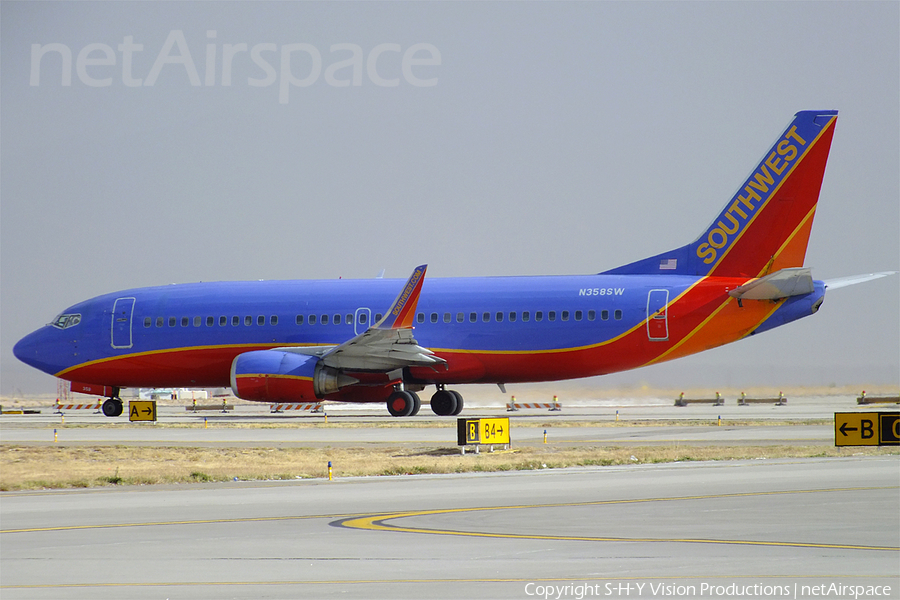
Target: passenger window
x=460, y=317
x=171, y=321
x=312, y=319
x=473, y=317
x=349, y=319
x=159, y=321
x=273, y=320
x=260, y=320
x=551, y=316
x=512, y=317
x=539, y=315
x=210, y=321
x=446, y=317
x=337, y=319
x=592, y=315
x=486, y=317
x=299, y=319
x=604, y=315
x=578, y=315
x=618, y=315
x=324, y=320
x=197, y=321
x=499, y=317
x=526, y=316
x=378, y=317
x=248, y=320
x=362, y=318
x=147, y=321
x=235, y=321
x=184, y=321
x=420, y=318
x=223, y=321
x=565, y=315
x=434, y=318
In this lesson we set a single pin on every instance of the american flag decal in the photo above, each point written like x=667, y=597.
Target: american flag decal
x=668, y=264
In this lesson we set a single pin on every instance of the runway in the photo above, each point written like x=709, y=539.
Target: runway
x=764, y=526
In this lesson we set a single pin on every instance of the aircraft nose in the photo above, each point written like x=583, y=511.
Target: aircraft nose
x=33, y=350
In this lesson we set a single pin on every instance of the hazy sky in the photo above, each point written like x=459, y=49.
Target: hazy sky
x=208, y=141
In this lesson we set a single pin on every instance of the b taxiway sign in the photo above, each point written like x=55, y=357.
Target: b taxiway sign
x=867, y=429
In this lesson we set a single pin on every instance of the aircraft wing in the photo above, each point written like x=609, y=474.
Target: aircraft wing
x=387, y=345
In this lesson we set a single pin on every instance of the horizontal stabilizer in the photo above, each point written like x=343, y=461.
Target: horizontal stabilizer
x=833, y=284
x=781, y=284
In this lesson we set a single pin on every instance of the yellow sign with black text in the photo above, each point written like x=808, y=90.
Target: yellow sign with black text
x=142, y=410
x=482, y=431
x=867, y=429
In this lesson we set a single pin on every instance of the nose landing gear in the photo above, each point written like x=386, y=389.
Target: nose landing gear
x=112, y=407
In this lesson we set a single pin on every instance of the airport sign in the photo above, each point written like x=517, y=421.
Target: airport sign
x=867, y=429
x=482, y=431
x=142, y=410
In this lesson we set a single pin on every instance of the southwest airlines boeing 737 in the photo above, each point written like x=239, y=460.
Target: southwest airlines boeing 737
x=345, y=340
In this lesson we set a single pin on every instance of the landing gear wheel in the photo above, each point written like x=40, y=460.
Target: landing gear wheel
x=444, y=403
x=401, y=404
x=459, y=402
x=112, y=407
x=417, y=404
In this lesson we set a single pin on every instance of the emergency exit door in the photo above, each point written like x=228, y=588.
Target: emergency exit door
x=658, y=315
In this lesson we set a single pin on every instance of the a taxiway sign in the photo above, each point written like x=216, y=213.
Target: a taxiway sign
x=142, y=410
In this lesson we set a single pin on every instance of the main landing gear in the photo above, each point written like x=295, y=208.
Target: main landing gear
x=446, y=402
x=112, y=407
x=403, y=403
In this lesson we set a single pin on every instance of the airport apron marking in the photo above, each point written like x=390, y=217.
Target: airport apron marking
x=379, y=522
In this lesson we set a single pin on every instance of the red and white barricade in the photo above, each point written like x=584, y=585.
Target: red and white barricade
x=95, y=405
x=512, y=405
x=315, y=407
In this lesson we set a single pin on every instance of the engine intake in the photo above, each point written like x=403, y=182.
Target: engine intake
x=278, y=376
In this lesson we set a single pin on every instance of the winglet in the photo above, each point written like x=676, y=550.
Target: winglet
x=400, y=315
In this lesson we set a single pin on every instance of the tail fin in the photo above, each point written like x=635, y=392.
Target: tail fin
x=765, y=227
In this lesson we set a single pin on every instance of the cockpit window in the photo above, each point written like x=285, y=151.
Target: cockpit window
x=66, y=321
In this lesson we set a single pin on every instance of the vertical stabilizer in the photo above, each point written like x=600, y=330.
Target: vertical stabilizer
x=765, y=226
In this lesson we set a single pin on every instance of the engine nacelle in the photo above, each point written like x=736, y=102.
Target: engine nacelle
x=277, y=376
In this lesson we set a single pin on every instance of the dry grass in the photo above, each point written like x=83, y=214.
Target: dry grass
x=37, y=467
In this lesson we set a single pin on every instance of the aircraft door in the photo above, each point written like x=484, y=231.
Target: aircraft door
x=123, y=310
x=658, y=315
x=362, y=320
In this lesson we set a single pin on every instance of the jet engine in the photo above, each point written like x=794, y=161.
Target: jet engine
x=279, y=376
